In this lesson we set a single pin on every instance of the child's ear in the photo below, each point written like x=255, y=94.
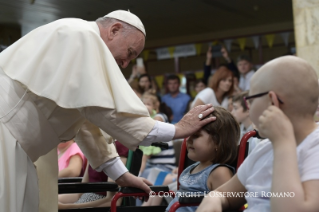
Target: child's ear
x=273, y=98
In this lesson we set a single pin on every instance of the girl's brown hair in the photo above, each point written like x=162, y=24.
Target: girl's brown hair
x=225, y=132
x=221, y=74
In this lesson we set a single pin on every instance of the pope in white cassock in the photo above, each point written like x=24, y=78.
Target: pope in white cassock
x=62, y=81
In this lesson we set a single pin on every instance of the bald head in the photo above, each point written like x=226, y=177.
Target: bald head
x=293, y=80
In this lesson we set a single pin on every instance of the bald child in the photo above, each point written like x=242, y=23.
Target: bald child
x=282, y=172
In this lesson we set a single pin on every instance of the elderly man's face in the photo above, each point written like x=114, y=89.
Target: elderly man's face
x=125, y=48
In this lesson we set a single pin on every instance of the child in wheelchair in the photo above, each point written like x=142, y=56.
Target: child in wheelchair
x=214, y=147
x=282, y=172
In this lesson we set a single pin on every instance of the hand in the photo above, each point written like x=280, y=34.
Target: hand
x=129, y=180
x=209, y=54
x=190, y=123
x=225, y=54
x=275, y=125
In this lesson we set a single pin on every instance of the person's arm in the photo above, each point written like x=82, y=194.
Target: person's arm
x=65, y=199
x=276, y=126
x=105, y=202
x=217, y=201
x=218, y=177
x=74, y=167
x=131, y=131
x=207, y=66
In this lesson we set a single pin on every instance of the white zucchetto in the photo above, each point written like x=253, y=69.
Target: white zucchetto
x=127, y=17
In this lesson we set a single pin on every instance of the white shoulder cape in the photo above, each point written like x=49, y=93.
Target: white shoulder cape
x=68, y=62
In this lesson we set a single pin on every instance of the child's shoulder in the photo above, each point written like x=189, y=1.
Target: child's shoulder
x=311, y=141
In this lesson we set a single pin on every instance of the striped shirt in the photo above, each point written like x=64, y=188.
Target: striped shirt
x=165, y=157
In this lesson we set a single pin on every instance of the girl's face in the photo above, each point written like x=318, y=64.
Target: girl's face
x=145, y=83
x=225, y=84
x=201, y=147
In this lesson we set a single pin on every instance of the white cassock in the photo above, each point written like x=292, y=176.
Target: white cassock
x=58, y=82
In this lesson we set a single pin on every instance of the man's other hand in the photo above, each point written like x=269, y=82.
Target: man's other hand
x=129, y=180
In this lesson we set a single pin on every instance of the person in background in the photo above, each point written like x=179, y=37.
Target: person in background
x=137, y=71
x=154, y=156
x=241, y=113
x=218, y=90
x=99, y=199
x=145, y=83
x=245, y=67
x=70, y=159
x=176, y=100
x=230, y=65
x=200, y=85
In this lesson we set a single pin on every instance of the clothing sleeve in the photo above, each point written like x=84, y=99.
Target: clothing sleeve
x=309, y=158
x=94, y=146
x=75, y=150
x=161, y=132
x=243, y=171
x=205, y=95
x=130, y=130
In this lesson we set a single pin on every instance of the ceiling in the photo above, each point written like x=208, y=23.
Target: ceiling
x=163, y=19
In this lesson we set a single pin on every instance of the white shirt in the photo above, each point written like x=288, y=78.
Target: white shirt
x=208, y=97
x=245, y=80
x=256, y=171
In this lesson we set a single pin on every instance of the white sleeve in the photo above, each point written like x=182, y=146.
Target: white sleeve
x=205, y=95
x=309, y=157
x=113, y=168
x=161, y=132
x=241, y=173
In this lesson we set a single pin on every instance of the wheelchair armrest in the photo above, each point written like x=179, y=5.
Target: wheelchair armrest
x=128, y=190
x=191, y=200
x=67, y=188
x=70, y=180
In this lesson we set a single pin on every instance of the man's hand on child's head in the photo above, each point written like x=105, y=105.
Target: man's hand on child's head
x=275, y=125
x=194, y=120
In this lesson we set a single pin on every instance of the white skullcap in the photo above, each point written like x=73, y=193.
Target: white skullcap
x=127, y=17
